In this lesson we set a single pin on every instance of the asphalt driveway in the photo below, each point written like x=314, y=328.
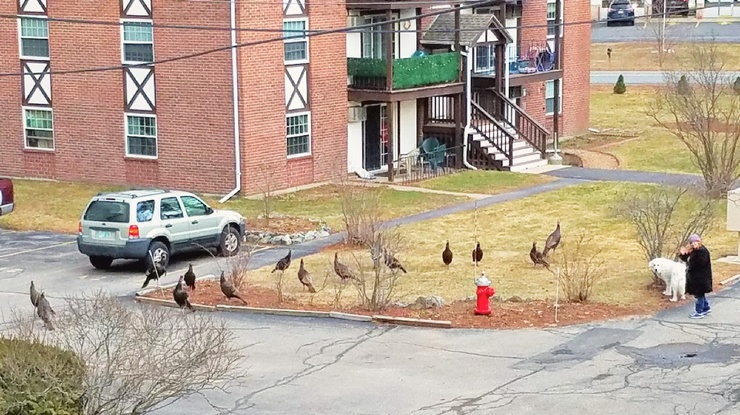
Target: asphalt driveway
x=662, y=365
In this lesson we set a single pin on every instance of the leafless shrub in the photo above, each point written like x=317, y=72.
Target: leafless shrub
x=266, y=184
x=704, y=115
x=581, y=268
x=139, y=359
x=279, y=284
x=239, y=267
x=664, y=217
x=360, y=206
x=664, y=41
x=376, y=285
x=324, y=285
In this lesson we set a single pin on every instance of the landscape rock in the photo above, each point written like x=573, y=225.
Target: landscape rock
x=400, y=304
x=432, y=301
x=276, y=238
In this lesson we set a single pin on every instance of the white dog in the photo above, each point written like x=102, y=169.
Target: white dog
x=673, y=273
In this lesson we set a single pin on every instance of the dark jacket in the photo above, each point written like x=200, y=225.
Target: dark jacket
x=698, y=271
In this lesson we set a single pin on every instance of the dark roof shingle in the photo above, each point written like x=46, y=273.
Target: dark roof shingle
x=442, y=30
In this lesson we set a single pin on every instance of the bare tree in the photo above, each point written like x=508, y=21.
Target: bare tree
x=139, y=359
x=664, y=217
x=664, y=41
x=267, y=186
x=361, y=211
x=581, y=268
x=704, y=116
x=239, y=267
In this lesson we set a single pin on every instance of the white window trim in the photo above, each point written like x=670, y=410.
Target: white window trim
x=125, y=135
x=560, y=87
x=135, y=42
x=310, y=135
x=20, y=37
x=478, y=69
x=297, y=40
x=562, y=17
x=25, y=135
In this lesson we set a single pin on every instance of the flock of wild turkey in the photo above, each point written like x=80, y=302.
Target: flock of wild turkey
x=181, y=296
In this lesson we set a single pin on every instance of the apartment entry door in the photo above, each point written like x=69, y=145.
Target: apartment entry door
x=375, y=137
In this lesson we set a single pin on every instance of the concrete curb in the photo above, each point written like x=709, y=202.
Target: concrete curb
x=403, y=321
x=351, y=317
x=730, y=280
x=273, y=311
x=165, y=287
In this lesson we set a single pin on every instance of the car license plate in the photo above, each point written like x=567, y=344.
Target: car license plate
x=104, y=234
x=620, y=12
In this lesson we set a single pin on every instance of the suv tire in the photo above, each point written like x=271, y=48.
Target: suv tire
x=101, y=262
x=230, y=242
x=157, y=249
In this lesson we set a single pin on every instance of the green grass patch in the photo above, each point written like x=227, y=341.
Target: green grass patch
x=484, y=182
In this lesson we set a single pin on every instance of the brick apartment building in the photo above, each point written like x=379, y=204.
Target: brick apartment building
x=296, y=110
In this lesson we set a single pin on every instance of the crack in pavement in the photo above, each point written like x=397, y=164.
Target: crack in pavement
x=442, y=349
x=310, y=368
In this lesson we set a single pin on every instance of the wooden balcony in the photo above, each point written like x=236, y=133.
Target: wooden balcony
x=411, y=78
x=530, y=62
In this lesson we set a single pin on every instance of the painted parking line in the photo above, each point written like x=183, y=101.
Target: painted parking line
x=27, y=251
x=697, y=23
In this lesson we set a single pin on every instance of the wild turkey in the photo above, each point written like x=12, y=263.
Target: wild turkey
x=447, y=254
x=34, y=295
x=342, y=270
x=181, y=296
x=536, y=257
x=44, y=311
x=283, y=264
x=228, y=289
x=305, y=278
x=155, y=271
x=189, y=277
x=477, y=254
x=552, y=241
x=392, y=262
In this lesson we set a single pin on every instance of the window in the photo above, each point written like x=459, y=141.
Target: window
x=39, y=128
x=550, y=98
x=551, y=18
x=298, y=133
x=105, y=211
x=296, y=42
x=373, y=39
x=194, y=206
x=145, y=211
x=170, y=209
x=138, y=42
x=34, y=37
x=485, y=59
x=141, y=135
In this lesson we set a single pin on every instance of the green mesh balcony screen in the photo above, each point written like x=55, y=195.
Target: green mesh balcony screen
x=409, y=72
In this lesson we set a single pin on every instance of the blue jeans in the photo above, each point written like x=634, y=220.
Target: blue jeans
x=702, y=305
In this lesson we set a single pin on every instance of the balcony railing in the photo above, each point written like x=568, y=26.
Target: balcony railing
x=532, y=57
x=414, y=72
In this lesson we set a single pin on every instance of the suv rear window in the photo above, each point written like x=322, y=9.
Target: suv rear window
x=107, y=211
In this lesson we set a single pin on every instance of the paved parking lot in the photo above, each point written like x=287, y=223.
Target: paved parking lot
x=642, y=31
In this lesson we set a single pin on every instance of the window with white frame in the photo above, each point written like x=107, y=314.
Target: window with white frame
x=138, y=41
x=550, y=98
x=39, y=129
x=141, y=136
x=373, y=39
x=551, y=8
x=34, y=37
x=298, y=134
x=485, y=59
x=295, y=40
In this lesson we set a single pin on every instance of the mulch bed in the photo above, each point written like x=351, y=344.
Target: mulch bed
x=506, y=314
x=285, y=225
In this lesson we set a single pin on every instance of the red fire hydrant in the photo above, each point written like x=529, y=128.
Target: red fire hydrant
x=484, y=293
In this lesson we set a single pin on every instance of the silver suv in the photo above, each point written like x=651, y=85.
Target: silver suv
x=146, y=224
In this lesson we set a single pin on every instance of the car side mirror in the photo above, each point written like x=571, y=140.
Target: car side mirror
x=209, y=210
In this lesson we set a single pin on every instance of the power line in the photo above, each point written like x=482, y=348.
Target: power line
x=283, y=38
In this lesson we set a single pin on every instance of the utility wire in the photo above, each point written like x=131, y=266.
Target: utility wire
x=299, y=31
x=283, y=38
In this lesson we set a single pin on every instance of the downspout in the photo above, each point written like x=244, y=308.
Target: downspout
x=235, y=93
x=468, y=106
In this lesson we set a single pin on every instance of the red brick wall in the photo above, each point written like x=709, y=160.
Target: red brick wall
x=11, y=128
x=576, y=62
x=328, y=78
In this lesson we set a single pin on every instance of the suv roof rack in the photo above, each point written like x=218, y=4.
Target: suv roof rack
x=131, y=195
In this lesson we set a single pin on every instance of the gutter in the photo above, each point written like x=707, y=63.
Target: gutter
x=235, y=93
x=468, y=107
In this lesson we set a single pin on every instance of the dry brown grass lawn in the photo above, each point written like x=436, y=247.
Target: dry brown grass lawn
x=506, y=232
x=629, y=56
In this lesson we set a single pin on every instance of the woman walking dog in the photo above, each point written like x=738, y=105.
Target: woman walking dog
x=698, y=274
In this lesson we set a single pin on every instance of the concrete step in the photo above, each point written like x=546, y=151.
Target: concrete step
x=529, y=165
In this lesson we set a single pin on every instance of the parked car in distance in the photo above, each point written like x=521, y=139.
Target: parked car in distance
x=672, y=7
x=620, y=11
x=7, y=203
x=146, y=224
